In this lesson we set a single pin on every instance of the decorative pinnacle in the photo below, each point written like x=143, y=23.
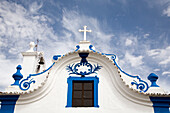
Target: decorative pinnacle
x=85, y=30
x=17, y=76
x=153, y=78
x=32, y=45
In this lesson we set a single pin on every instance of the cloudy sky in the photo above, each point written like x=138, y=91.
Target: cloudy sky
x=137, y=31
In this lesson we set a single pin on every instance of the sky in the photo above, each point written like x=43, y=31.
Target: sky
x=137, y=31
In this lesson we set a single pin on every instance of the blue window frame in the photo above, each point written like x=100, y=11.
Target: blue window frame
x=70, y=81
x=161, y=104
x=8, y=102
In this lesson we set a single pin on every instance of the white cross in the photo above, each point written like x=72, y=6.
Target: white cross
x=85, y=30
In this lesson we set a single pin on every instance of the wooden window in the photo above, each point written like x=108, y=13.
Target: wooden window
x=83, y=94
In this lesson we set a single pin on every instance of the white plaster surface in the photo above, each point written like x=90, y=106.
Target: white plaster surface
x=29, y=63
x=156, y=90
x=84, y=45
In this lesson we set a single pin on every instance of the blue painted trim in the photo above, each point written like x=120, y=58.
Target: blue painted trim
x=77, y=48
x=69, y=93
x=113, y=55
x=26, y=85
x=90, y=47
x=8, y=103
x=55, y=57
x=161, y=104
x=70, y=84
x=141, y=86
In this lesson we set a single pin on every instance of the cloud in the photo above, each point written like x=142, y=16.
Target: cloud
x=146, y=35
x=158, y=3
x=161, y=59
x=156, y=70
x=154, y=52
x=167, y=12
x=34, y=7
x=18, y=27
x=162, y=56
x=166, y=61
x=135, y=61
x=19, y=23
x=128, y=42
x=166, y=73
x=128, y=39
x=72, y=21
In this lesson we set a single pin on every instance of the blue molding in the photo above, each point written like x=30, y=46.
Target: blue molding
x=90, y=47
x=25, y=85
x=142, y=85
x=55, y=57
x=70, y=88
x=8, y=103
x=77, y=48
x=113, y=55
x=160, y=104
x=73, y=69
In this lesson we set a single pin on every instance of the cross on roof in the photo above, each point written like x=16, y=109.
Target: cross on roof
x=85, y=30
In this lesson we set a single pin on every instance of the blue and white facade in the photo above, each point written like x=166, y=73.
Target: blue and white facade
x=50, y=90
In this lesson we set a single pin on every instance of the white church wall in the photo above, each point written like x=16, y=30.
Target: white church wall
x=113, y=94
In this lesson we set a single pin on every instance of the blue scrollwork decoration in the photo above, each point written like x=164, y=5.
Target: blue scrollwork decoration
x=25, y=83
x=141, y=85
x=73, y=69
x=88, y=68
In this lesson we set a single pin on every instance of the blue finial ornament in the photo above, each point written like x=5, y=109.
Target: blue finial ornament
x=153, y=78
x=17, y=76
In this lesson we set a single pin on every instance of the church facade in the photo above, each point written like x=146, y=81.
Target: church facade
x=80, y=81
